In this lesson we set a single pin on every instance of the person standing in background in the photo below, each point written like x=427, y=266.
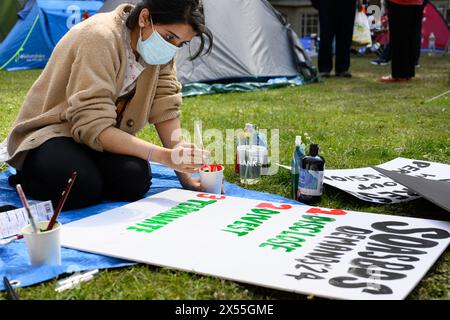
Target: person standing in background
x=337, y=19
x=405, y=24
x=385, y=57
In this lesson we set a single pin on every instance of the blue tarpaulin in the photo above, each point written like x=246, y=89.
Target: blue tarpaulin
x=14, y=262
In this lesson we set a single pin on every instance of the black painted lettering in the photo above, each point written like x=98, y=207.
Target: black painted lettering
x=372, y=254
x=319, y=270
x=429, y=233
x=333, y=247
x=347, y=235
x=326, y=254
x=370, y=263
x=380, y=274
x=381, y=247
x=421, y=164
x=349, y=283
x=320, y=259
x=353, y=230
x=343, y=241
x=403, y=241
x=305, y=275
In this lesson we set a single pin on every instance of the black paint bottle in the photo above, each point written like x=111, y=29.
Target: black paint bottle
x=311, y=176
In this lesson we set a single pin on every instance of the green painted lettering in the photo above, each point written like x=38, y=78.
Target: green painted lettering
x=258, y=219
x=153, y=221
x=148, y=226
x=246, y=223
x=232, y=226
x=240, y=234
x=276, y=246
x=139, y=229
x=265, y=211
x=297, y=233
x=317, y=218
x=166, y=217
x=203, y=203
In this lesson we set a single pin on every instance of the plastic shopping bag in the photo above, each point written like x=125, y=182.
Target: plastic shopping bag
x=361, y=32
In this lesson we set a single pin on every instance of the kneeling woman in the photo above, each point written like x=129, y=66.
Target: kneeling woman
x=106, y=79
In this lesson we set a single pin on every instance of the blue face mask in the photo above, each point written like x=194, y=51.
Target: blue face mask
x=155, y=50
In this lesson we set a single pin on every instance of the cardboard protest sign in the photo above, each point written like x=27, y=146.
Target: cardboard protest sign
x=370, y=185
x=437, y=192
x=302, y=249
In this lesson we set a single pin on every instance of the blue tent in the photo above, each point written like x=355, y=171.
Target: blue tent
x=41, y=25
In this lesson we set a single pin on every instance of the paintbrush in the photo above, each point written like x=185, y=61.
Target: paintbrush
x=27, y=208
x=61, y=201
x=198, y=137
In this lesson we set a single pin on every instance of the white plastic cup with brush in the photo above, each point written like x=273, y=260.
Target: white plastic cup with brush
x=211, y=175
x=44, y=247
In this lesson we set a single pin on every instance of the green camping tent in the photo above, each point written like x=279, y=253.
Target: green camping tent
x=8, y=15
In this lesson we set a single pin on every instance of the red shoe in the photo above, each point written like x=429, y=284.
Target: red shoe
x=391, y=79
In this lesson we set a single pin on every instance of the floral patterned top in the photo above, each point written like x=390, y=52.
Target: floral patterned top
x=134, y=67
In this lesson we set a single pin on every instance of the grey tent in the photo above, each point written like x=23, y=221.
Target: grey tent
x=110, y=5
x=252, y=42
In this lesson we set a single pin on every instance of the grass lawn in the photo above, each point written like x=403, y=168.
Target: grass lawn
x=358, y=122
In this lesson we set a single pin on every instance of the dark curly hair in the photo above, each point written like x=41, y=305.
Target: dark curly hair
x=176, y=11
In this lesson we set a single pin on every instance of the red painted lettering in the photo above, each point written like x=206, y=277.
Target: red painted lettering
x=265, y=205
x=334, y=212
x=210, y=196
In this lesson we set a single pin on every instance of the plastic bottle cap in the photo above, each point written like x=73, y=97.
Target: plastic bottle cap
x=313, y=150
x=298, y=140
x=249, y=127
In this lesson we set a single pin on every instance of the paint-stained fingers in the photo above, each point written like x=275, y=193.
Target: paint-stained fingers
x=195, y=156
x=189, y=169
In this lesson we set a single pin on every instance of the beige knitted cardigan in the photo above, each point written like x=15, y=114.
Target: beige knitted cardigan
x=76, y=92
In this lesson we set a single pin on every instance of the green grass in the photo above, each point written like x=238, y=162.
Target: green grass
x=358, y=122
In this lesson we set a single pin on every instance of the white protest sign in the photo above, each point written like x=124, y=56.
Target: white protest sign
x=370, y=185
x=302, y=249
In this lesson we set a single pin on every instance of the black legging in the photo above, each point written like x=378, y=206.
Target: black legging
x=99, y=174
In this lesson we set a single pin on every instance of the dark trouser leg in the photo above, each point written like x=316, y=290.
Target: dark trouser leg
x=344, y=33
x=418, y=31
x=327, y=18
x=125, y=178
x=404, y=22
x=386, y=55
x=47, y=169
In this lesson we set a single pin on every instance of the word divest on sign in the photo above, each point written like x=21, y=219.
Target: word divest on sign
x=370, y=185
x=302, y=249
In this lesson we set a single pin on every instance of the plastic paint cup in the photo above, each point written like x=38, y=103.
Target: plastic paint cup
x=43, y=247
x=211, y=178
